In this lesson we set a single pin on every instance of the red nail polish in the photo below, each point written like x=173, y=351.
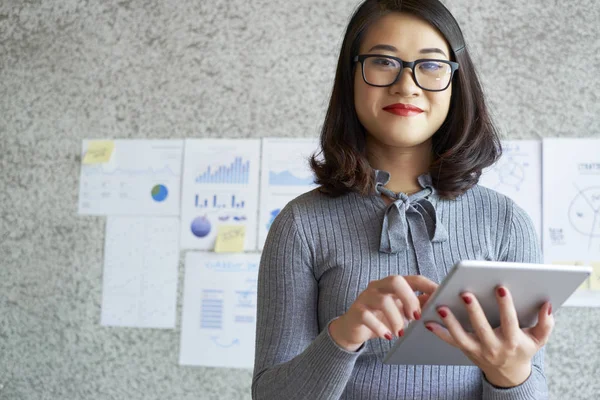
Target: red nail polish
x=442, y=313
x=429, y=327
x=550, y=310
x=417, y=315
x=401, y=333
x=467, y=299
x=388, y=336
x=501, y=292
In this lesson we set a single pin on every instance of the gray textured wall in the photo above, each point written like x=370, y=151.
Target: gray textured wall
x=74, y=69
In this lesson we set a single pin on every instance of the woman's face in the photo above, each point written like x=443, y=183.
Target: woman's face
x=412, y=39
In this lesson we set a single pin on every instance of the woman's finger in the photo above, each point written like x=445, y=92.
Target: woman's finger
x=509, y=321
x=479, y=322
x=399, y=305
x=420, y=283
x=542, y=330
x=442, y=333
x=387, y=305
x=397, y=286
x=423, y=299
x=461, y=338
x=369, y=320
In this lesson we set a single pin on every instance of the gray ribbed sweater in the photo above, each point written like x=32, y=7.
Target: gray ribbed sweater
x=321, y=252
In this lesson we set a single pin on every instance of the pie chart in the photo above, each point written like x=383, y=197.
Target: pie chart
x=159, y=193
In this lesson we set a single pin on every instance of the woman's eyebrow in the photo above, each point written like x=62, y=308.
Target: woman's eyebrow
x=433, y=50
x=389, y=47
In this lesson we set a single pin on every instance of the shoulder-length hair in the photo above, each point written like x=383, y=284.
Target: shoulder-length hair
x=466, y=143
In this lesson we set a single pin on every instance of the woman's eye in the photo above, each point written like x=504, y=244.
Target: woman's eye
x=431, y=66
x=384, y=62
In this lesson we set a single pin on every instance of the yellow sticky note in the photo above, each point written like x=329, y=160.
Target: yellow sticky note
x=99, y=152
x=595, y=277
x=585, y=285
x=230, y=239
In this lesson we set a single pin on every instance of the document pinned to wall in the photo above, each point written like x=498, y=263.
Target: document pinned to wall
x=131, y=177
x=219, y=310
x=518, y=175
x=141, y=259
x=285, y=174
x=220, y=187
x=572, y=210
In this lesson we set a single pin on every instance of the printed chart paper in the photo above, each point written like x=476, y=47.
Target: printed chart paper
x=220, y=187
x=219, y=310
x=142, y=177
x=141, y=259
x=518, y=175
x=285, y=174
x=572, y=210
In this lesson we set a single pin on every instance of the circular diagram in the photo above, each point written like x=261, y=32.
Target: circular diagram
x=584, y=212
x=201, y=227
x=159, y=193
x=511, y=173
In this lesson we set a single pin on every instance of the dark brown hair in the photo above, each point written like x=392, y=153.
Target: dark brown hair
x=466, y=143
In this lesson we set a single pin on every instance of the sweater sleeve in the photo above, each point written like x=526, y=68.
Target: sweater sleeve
x=522, y=245
x=293, y=360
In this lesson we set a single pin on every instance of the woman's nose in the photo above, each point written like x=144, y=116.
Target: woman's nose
x=405, y=85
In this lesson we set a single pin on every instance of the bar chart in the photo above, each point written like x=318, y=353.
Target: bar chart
x=223, y=201
x=237, y=172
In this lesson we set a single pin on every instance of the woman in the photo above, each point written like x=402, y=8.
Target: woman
x=404, y=141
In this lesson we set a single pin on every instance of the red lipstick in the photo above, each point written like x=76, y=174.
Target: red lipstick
x=403, y=110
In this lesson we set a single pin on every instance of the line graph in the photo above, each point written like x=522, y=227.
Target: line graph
x=287, y=178
x=94, y=170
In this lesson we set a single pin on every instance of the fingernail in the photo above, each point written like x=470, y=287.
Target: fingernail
x=388, y=336
x=501, y=292
x=442, y=313
x=417, y=315
x=401, y=333
x=467, y=299
x=429, y=327
x=550, y=310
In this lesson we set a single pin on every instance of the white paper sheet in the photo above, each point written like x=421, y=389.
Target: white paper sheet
x=285, y=174
x=219, y=310
x=518, y=175
x=572, y=209
x=141, y=259
x=220, y=187
x=143, y=177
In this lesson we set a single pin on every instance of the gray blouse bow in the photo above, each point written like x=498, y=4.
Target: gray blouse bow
x=411, y=218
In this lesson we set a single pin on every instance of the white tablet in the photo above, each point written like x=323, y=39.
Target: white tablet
x=530, y=285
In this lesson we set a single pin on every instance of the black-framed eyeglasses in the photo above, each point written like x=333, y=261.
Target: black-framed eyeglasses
x=429, y=74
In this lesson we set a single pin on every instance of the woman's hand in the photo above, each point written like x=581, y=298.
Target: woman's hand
x=381, y=309
x=504, y=354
